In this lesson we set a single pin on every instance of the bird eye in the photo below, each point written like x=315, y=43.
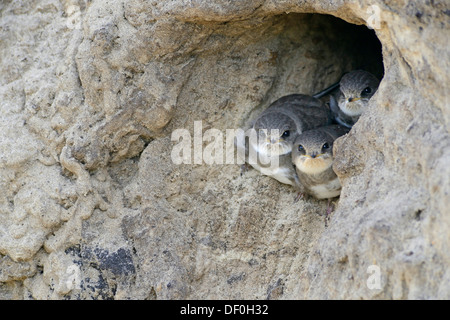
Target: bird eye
x=366, y=91
x=300, y=148
x=326, y=146
x=286, y=134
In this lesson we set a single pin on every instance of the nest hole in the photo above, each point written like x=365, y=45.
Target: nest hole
x=319, y=49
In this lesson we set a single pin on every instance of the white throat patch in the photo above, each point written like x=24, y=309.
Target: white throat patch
x=313, y=166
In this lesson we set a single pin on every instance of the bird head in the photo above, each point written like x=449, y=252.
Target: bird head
x=312, y=152
x=357, y=87
x=276, y=134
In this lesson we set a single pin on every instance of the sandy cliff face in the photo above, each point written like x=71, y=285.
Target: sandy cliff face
x=93, y=206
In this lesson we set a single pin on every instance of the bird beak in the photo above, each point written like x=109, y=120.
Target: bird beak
x=273, y=140
x=353, y=99
x=313, y=155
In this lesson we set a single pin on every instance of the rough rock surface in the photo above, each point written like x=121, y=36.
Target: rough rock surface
x=93, y=207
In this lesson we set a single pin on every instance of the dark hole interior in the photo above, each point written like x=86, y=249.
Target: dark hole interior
x=356, y=46
x=362, y=44
x=313, y=51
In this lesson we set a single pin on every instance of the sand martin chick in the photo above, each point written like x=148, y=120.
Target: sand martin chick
x=312, y=155
x=269, y=141
x=356, y=89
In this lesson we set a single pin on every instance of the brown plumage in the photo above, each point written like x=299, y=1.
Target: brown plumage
x=356, y=89
x=312, y=155
x=270, y=138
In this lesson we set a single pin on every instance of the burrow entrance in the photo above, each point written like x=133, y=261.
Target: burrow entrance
x=317, y=49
